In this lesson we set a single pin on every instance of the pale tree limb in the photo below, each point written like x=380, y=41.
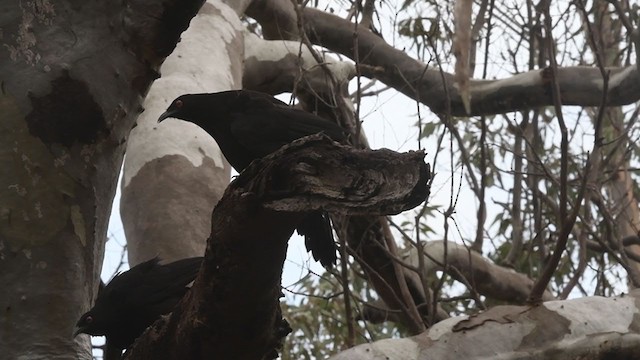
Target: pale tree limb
x=461, y=49
x=490, y=280
x=275, y=66
x=174, y=173
x=591, y=328
x=470, y=268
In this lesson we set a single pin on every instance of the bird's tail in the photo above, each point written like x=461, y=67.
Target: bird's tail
x=318, y=237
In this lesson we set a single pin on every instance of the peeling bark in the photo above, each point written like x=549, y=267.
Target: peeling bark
x=232, y=310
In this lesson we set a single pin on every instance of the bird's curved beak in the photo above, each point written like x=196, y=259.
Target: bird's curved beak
x=78, y=330
x=165, y=115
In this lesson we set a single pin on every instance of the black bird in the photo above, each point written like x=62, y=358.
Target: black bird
x=248, y=125
x=135, y=299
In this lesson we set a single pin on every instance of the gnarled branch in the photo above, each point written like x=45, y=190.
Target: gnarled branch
x=232, y=311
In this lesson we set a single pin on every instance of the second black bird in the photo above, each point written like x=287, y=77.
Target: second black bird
x=249, y=125
x=135, y=299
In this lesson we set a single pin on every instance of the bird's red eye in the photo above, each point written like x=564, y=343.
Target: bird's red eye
x=88, y=319
x=178, y=103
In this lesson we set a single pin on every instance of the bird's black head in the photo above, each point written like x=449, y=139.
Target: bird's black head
x=89, y=324
x=189, y=107
x=175, y=110
x=99, y=320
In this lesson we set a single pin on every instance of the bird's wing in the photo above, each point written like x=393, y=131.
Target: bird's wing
x=264, y=129
x=149, y=284
x=166, y=282
x=118, y=290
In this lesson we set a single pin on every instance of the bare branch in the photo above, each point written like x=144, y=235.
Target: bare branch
x=578, y=85
x=491, y=280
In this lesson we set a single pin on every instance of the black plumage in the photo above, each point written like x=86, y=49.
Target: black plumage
x=248, y=125
x=135, y=299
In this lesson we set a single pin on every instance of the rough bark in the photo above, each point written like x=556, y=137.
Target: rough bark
x=588, y=328
x=580, y=85
x=174, y=172
x=232, y=309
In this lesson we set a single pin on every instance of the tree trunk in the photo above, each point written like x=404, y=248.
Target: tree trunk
x=72, y=79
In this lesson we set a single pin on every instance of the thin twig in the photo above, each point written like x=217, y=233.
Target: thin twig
x=541, y=284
